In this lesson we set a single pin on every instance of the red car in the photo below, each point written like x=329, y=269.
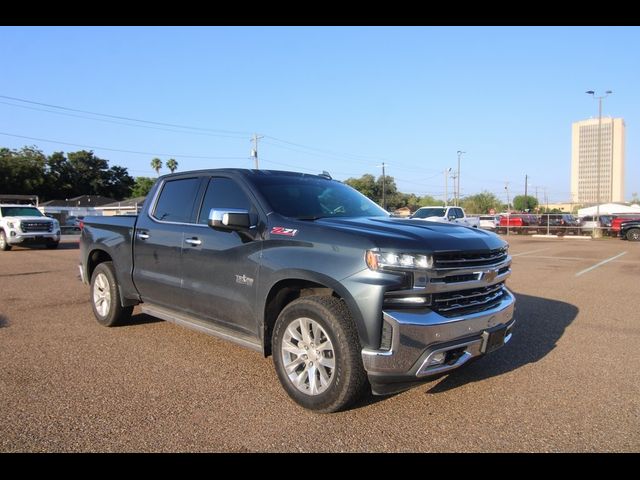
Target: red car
x=615, y=223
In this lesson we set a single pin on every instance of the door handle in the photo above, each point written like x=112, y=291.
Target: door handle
x=193, y=241
x=142, y=235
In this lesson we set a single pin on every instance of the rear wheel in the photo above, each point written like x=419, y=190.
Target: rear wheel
x=105, y=297
x=4, y=245
x=633, y=235
x=316, y=353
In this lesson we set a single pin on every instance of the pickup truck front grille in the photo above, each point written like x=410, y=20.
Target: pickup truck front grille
x=36, y=226
x=469, y=260
x=451, y=304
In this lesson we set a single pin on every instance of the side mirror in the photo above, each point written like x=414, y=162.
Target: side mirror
x=229, y=219
x=451, y=218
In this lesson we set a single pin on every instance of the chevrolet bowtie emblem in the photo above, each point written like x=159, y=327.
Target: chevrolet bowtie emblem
x=490, y=276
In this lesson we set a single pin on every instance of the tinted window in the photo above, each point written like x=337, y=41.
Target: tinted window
x=458, y=213
x=426, y=212
x=222, y=193
x=21, y=212
x=176, y=200
x=309, y=197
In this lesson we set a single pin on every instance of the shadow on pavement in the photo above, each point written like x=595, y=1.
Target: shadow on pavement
x=4, y=321
x=541, y=322
x=141, y=319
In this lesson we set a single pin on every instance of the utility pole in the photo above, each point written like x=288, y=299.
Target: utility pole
x=460, y=152
x=446, y=185
x=254, y=150
x=384, y=200
x=526, y=198
x=455, y=195
x=599, y=97
x=506, y=187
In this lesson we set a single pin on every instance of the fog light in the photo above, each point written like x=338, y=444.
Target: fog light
x=13, y=234
x=437, y=358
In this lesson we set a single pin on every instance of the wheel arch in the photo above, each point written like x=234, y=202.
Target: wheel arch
x=287, y=289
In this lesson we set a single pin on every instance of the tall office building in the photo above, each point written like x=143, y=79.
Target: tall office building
x=584, y=161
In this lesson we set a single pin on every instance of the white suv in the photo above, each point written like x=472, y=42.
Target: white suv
x=22, y=224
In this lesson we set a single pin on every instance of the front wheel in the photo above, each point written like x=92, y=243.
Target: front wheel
x=316, y=353
x=4, y=245
x=633, y=235
x=105, y=297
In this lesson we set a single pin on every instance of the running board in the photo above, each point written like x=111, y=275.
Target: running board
x=193, y=323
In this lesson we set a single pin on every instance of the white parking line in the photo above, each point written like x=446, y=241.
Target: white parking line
x=531, y=251
x=599, y=264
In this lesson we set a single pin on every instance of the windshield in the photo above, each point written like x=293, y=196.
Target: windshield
x=21, y=212
x=310, y=197
x=428, y=212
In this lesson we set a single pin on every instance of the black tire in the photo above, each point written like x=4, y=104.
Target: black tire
x=348, y=379
x=52, y=245
x=109, y=312
x=633, y=235
x=4, y=245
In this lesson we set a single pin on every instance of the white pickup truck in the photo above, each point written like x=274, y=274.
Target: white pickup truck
x=24, y=224
x=446, y=215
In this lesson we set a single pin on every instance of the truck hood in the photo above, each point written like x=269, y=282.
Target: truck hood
x=28, y=219
x=414, y=234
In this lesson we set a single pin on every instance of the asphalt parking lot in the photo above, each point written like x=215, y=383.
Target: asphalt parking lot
x=569, y=381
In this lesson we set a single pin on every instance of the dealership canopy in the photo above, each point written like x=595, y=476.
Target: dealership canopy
x=609, y=209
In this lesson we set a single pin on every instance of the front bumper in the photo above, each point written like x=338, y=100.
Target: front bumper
x=16, y=237
x=421, y=336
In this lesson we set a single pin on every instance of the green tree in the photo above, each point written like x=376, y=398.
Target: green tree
x=481, y=203
x=366, y=185
x=172, y=165
x=156, y=164
x=142, y=186
x=522, y=203
x=428, y=200
x=22, y=171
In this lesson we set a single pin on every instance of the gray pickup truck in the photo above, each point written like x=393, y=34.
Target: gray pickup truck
x=304, y=268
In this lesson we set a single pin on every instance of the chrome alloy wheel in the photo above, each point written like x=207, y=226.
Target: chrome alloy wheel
x=308, y=356
x=102, y=294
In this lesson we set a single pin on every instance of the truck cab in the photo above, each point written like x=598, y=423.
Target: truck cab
x=446, y=214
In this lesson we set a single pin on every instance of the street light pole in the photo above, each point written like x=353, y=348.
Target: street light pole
x=446, y=186
x=599, y=97
x=458, y=178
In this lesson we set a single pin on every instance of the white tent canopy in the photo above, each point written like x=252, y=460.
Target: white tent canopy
x=609, y=209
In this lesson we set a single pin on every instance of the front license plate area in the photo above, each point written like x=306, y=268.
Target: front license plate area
x=493, y=339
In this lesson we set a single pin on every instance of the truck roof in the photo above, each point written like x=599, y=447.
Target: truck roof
x=248, y=173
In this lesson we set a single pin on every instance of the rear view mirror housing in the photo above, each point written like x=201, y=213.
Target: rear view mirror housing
x=229, y=219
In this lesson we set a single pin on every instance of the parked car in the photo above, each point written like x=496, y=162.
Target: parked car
x=446, y=215
x=518, y=223
x=304, y=268
x=630, y=230
x=489, y=222
x=589, y=223
x=616, y=223
x=559, y=223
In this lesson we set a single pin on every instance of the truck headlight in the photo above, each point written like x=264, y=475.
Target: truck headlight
x=377, y=260
x=11, y=225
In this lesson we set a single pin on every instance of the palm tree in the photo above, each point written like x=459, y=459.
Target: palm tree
x=156, y=164
x=172, y=165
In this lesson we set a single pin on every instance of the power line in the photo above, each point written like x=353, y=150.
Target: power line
x=94, y=147
x=119, y=117
x=104, y=120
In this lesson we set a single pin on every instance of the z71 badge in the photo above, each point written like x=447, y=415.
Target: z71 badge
x=287, y=232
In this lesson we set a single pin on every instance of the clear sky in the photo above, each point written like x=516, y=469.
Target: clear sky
x=341, y=99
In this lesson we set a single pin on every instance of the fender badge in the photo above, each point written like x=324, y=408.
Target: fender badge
x=287, y=232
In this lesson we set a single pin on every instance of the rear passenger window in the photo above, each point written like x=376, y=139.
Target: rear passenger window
x=177, y=200
x=222, y=193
